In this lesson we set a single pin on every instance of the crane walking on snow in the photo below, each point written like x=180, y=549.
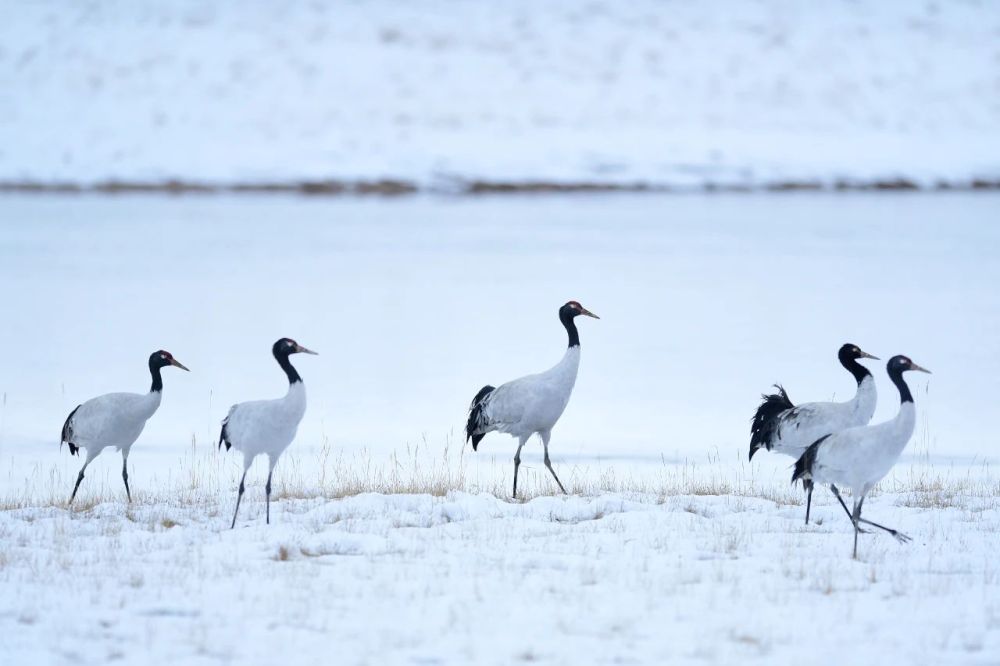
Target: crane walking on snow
x=782, y=427
x=530, y=404
x=114, y=419
x=267, y=426
x=859, y=457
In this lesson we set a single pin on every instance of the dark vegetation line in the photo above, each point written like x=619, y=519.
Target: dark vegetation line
x=392, y=187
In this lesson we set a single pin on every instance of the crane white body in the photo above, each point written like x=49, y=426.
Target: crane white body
x=783, y=427
x=803, y=424
x=267, y=426
x=115, y=420
x=533, y=404
x=860, y=457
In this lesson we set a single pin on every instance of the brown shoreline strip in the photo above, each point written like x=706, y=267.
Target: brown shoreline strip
x=457, y=187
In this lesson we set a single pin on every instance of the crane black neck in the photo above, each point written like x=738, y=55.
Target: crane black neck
x=896, y=375
x=859, y=371
x=286, y=365
x=567, y=321
x=157, y=379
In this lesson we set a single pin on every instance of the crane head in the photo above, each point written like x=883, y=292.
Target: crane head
x=574, y=309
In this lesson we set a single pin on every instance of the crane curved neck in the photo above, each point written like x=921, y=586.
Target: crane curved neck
x=859, y=371
x=286, y=365
x=574, y=336
x=157, y=386
x=904, y=391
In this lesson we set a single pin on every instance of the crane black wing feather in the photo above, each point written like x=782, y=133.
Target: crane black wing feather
x=764, y=426
x=804, y=465
x=224, y=434
x=67, y=433
x=478, y=424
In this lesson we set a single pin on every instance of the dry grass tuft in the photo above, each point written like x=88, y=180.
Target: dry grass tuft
x=206, y=481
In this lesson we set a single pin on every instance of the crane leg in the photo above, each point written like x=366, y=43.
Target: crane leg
x=79, y=478
x=854, y=519
x=128, y=493
x=545, y=443
x=517, y=462
x=840, y=499
x=238, y=498
x=809, y=498
x=267, y=488
x=899, y=536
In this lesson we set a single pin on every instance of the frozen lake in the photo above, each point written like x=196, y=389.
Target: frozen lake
x=415, y=303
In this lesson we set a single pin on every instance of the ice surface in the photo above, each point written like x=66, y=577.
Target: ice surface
x=415, y=304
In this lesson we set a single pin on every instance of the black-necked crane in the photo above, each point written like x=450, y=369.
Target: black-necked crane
x=782, y=427
x=531, y=404
x=115, y=419
x=267, y=426
x=860, y=457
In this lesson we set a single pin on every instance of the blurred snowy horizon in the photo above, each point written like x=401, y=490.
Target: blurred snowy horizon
x=658, y=93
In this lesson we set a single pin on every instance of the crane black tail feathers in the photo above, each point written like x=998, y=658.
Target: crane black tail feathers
x=478, y=424
x=67, y=433
x=224, y=436
x=764, y=426
x=804, y=465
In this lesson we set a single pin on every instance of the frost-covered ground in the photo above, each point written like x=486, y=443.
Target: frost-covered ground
x=677, y=93
x=612, y=577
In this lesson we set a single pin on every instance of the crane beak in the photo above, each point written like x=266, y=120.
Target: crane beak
x=178, y=364
x=914, y=366
x=302, y=350
x=865, y=354
x=585, y=311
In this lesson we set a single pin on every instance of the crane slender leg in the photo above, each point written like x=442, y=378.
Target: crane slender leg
x=247, y=461
x=517, y=462
x=128, y=493
x=899, y=536
x=90, y=456
x=809, y=498
x=545, y=443
x=238, y=498
x=267, y=493
x=840, y=499
x=854, y=519
x=79, y=478
x=267, y=488
x=836, y=493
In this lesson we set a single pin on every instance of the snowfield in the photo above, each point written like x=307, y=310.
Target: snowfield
x=443, y=94
x=609, y=577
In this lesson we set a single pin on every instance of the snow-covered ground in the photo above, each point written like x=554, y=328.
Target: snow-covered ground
x=465, y=578
x=678, y=93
